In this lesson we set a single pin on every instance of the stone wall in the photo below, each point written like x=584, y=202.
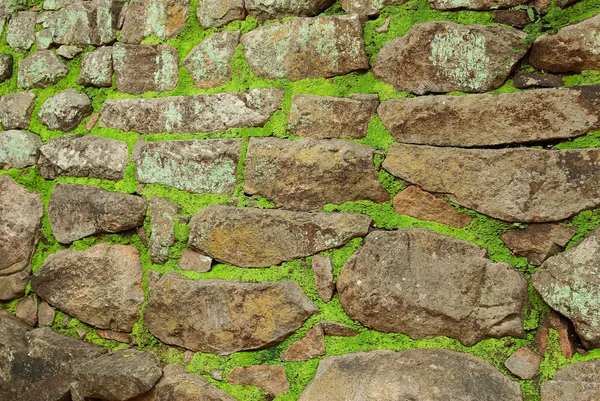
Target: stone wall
x=299, y=200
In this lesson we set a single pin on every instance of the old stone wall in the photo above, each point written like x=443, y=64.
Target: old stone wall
x=299, y=200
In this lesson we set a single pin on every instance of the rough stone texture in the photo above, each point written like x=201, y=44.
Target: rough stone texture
x=422, y=205
x=441, y=56
x=575, y=382
x=323, y=172
x=524, y=363
x=18, y=149
x=194, y=261
x=20, y=221
x=77, y=211
x=101, y=286
x=97, y=68
x=197, y=166
x=300, y=48
x=538, y=242
x=544, y=5
x=525, y=80
x=324, y=117
x=474, y=4
x=568, y=282
x=43, y=39
x=119, y=376
x=16, y=109
x=192, y=114
x=68, y=52
x=164, y=19
x=41, y=69
x=144, y=68
x=515, y=18
x=114, y=335
x=6, y=66
x=566, y=331
x=368, y=7
x=276, y=9
x=21, y=30
x=521, y=117
x=217, y=13
x=573, y=48
x=79, y=155
x=45, y=314
x=323, y=273
x=209, y=62
x=424, y=284
x=528, y=185
x=312, y=345
x=418, y=374
x=66, y=110
x=337, y=329
x=221, y=316
x=92, y=121
x=26, y=310
x=271, y=378
x=247, y=237
x=162, y=226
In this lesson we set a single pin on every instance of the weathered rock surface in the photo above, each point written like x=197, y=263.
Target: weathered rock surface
x=77, y=211
x=518, y=18
x=192, y=114
x=525, y=80
x=45, y=314
x=21, y=30
x=101, y=286
x=164, y=19
x=323, y=172
x=216, y=13
x=524, y=363
x=21, y=214
x=6, y=66
x=521, y=117
x=474, y=4
x=162, y=226
x=310, y=346
x=568, y=282
x=567, y=338
x=68, y=51
x=324, y=117
x=538, y=242
x=528, y=185
x=248, y=237
x=275, y=9
x=323, y=274
x=422, y=205
x=424, y=284
x=573, y=48
x=114, y=335
x=575, y=382
x=145, y=68
x=209, y=62
x=222, y=317
x=66, y=110
x=300, y=48
x=18, y=149
x=16, y=109
x=409, y=375
x=197, y=166
x=441, y=56
x=271, y=378
x=368, y=7
x=26, y=310
x=337, y=329
x=41, y=69
x=194, y=261
x=97, y=68
x=79, y=155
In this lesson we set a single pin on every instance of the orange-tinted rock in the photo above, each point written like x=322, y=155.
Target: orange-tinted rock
x=309, y=347
x=566, y=332
x=538, y=242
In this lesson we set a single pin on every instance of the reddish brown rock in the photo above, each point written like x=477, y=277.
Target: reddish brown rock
x=323, y=273
x=271, y=378
x=526, y=80
x=309, y=347
x=27, y=310
x=114, y=335
x=524, y=363
x=194, y=261
x=337, y=329
x=538, y=242
x=565, y=330
x=515, y=18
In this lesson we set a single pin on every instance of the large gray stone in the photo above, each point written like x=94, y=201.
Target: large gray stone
x=164, y=19
x=209, y=62
x=162, y=226
x=416, y=375
x=527, y=185
x=249, y=237
x=275, y=9
x=6, y=65
x=192, y=114
x=16, y=109
x=217, y=13
x=101, y=286
x=442, y=56
x=424, y=284
x=221, y=316
x=77, y=211
x=97, y=68
x=368, y=7
x=41, y=69
x=307, y=174
x=474, y=4
x=21, y=30
x=83, y=156
x=65, y=111
x=578, y=381
x=300, y=48
x=18, y=149
x=197, y=166
x=489, y=120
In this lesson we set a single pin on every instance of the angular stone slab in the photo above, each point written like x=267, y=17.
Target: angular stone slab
x=323, y=117
x=417, y=374
x=271, y=378
x=538, y=242
x=276, y=9
x=441, y=56
x=526, y=185
x=101, y=286
x=162, y=226
x=312, y=345
x=40, y=70
x=192, y=114
x=578, y=381
x=69, y=51
x=6, y=65
x=77, y=211
x=16, y=110
x=247, y=237
x=21, y=214
x=21, y=30
x=323, y=172
x=18, y=149
x=79, y=155
x=573, y=48
x=221, y=316
x=164, y=19
x=209, y=62
x=368, y=7
x=474, y=4
x=217, y=13
x=97, y=68
x=197, y=166
x=489, y=120
x=66, y=110
x=568, y=282
x=424, y=284
x=145, y=68
x=526, y=80
x=300, y=48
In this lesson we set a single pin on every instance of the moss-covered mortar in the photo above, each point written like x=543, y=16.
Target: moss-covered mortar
x=482, y=231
